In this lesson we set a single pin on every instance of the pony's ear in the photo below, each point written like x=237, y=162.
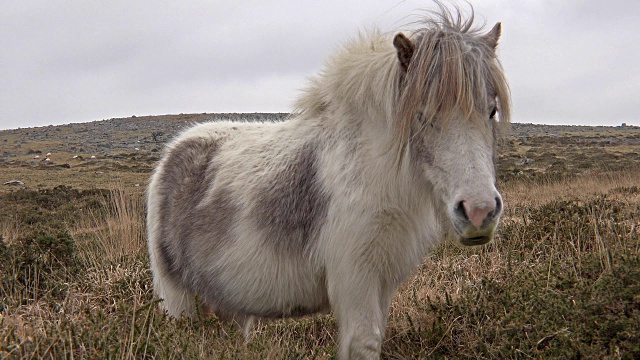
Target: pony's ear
x=405, y=47
x=491, y=38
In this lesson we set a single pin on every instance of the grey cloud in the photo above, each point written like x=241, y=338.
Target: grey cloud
x=567, y=61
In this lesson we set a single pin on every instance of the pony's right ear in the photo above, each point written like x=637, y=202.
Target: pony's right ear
x=493, y=35
x=405, y=47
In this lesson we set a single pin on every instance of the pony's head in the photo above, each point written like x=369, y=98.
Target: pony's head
x=453, y=100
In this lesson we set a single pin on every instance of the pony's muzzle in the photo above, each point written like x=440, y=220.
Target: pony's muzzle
x=479, y=214
x=475, y=222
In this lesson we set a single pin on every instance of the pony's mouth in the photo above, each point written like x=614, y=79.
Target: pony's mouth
x=475, y=241
x=469, y=236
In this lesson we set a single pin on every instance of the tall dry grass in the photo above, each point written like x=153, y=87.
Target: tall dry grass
x=55, y=281
x=535, y=193
x=115, y=231
x=10, y=229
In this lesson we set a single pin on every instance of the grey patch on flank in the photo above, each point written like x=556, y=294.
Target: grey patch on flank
x=293, y=206
x=206, y=230
x=183, y=183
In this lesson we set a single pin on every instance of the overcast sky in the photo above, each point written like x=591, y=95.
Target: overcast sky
x=568, y=62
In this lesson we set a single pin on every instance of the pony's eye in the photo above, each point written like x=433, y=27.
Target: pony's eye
x=493, y=112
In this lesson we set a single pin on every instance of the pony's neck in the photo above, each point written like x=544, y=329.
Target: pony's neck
x=358, y=84
x=356, y=95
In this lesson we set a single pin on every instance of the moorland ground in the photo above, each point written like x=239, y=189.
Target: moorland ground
x=561, y=280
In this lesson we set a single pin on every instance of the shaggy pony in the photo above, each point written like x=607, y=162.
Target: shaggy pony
x=390, y=151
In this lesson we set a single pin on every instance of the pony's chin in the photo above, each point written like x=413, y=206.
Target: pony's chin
x=470, y=236
x=475, y=241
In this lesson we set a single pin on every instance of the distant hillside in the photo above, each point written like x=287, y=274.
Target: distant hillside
x=94, y=154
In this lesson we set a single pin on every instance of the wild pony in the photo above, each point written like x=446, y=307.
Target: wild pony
x=391, y=150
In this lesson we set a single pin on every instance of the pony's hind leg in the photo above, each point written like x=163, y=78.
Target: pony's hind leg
x=176, y=299
x=247, y=327
x=243, y=322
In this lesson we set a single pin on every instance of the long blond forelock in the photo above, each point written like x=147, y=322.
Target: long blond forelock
x=452, y=69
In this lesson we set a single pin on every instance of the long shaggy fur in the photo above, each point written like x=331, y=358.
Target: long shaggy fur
x=390, y=151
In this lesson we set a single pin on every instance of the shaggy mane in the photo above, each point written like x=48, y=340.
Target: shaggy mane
x=454, y=67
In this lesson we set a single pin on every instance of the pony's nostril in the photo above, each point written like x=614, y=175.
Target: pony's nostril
x=498, y=208
x=460, y=212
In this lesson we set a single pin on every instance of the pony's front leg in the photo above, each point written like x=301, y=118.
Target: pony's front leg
x=361, y=308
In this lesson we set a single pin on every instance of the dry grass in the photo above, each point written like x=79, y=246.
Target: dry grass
x=498, y=301
x=10, y=229
x=561, y=280
x=116, y=231
x=536, y=193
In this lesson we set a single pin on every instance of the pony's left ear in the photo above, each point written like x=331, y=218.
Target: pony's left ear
x=493, y=35
x=405, y=47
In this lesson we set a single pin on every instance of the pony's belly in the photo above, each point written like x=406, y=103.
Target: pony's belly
x=289, y=298
x=268, y=289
